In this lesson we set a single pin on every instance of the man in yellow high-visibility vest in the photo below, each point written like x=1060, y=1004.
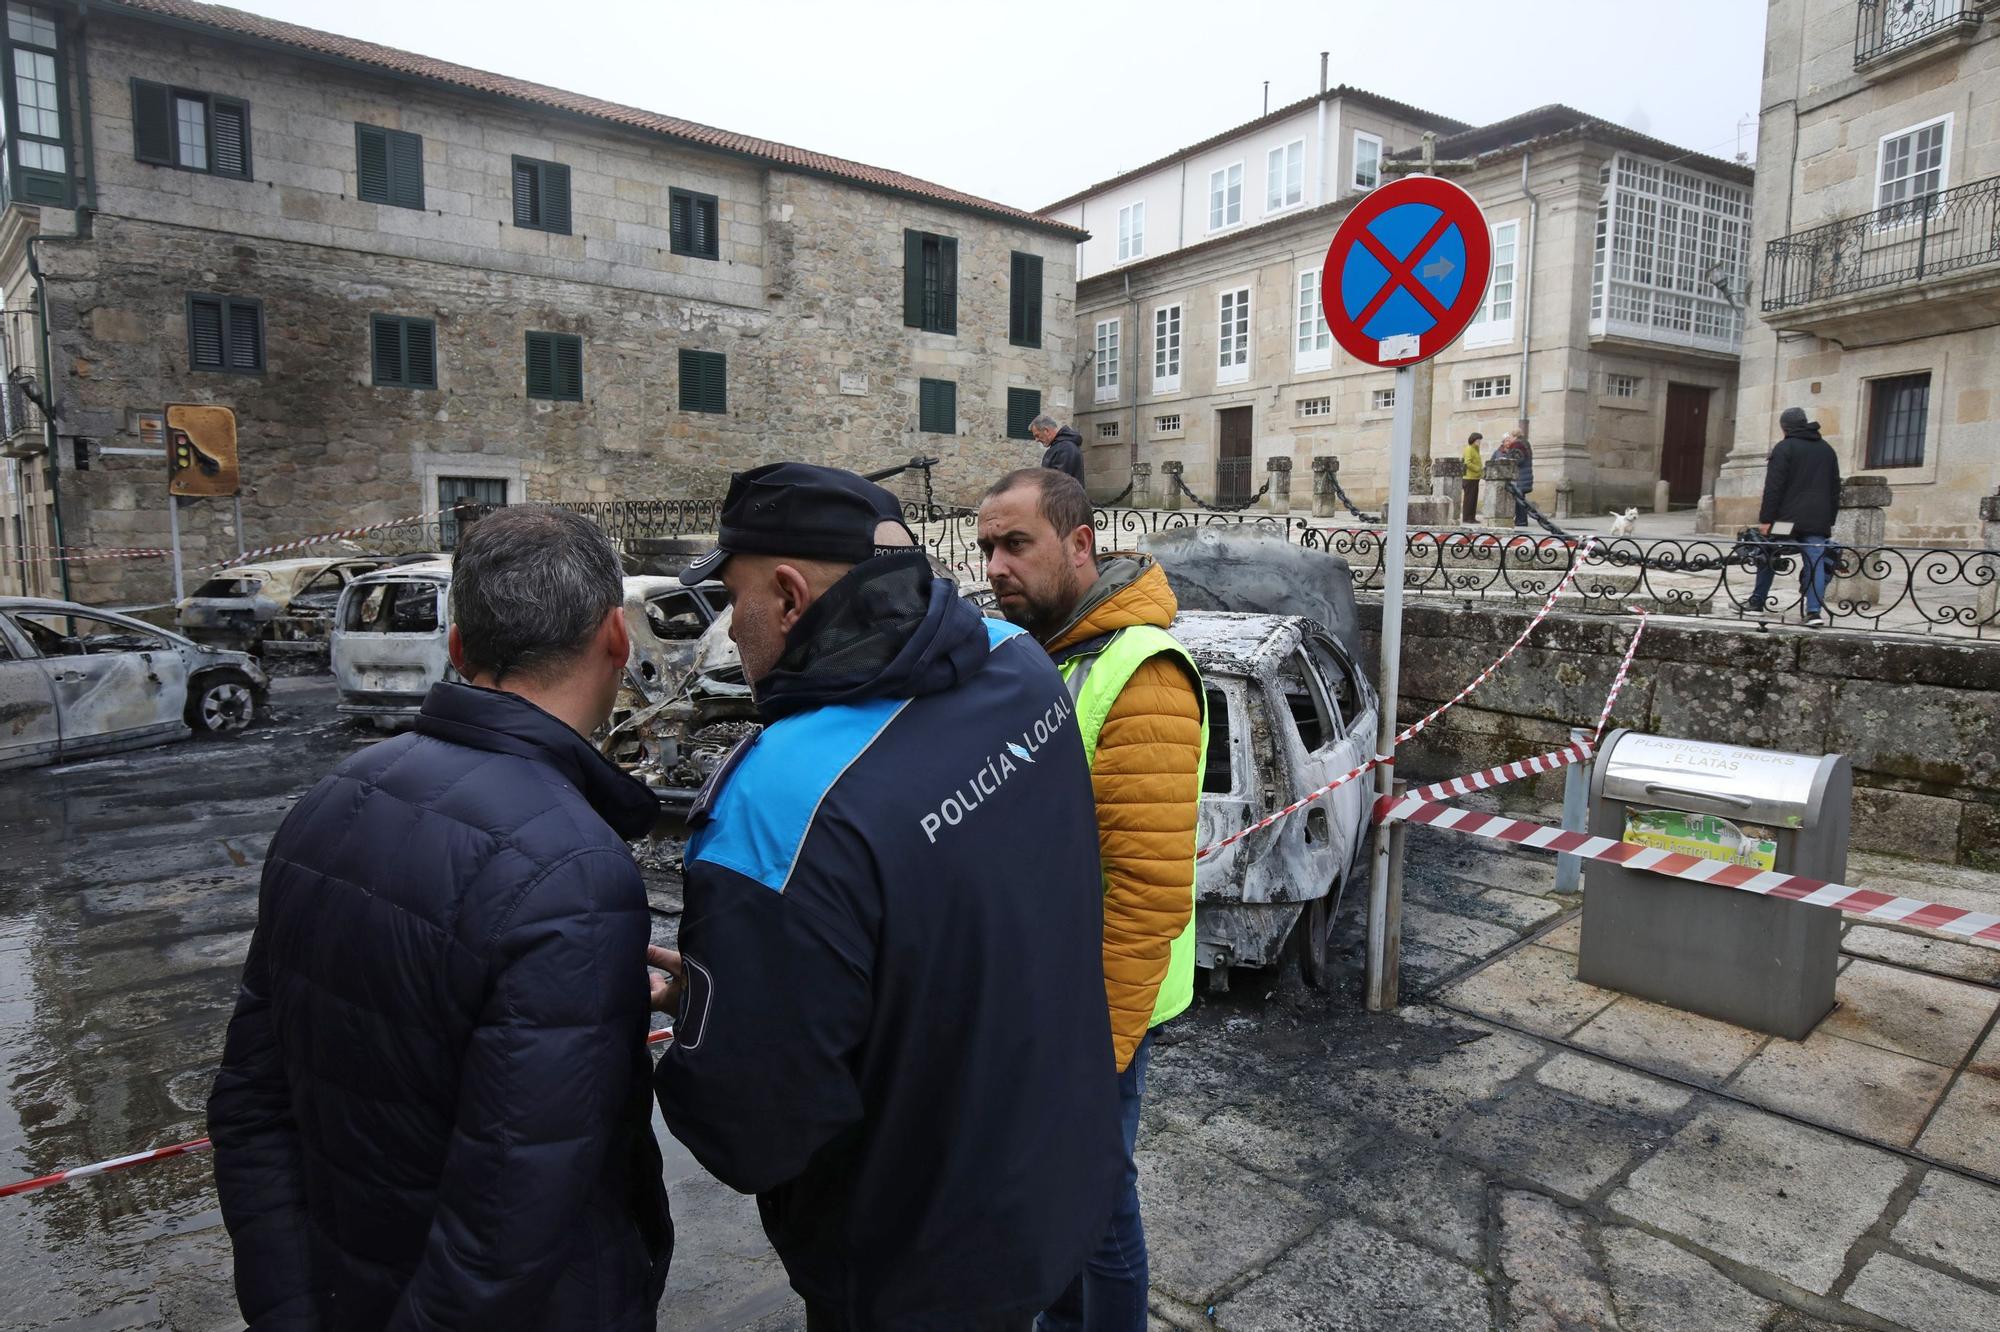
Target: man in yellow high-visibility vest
x=1141, y=709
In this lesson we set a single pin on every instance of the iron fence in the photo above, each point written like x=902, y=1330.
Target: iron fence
x=1883, y=27
x=1925, y=236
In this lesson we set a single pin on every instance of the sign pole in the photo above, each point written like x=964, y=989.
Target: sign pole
x=1385, y=889
x=238, y=497
x=174, y=535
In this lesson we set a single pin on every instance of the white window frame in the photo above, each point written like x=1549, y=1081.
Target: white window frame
x=1354, y=174
x=1132, y=231
x=1316, y=409
x=1944, y=163
x=1489, y=388
x=1107, y=430
x=1168, y=423
x=1285, y=177
x=1312, y=340
x=1382, y=399
x=1232, y=348
x=1219, y=188
x=1612, y=379
x=1167, y=347
x=1485, y=330
x=1107, y=355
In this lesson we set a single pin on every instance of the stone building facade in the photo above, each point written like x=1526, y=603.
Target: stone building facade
x=1878, y=245
x=657, y=245
x=1610, y=328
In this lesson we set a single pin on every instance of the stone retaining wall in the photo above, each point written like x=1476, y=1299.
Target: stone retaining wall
x=1918, y=718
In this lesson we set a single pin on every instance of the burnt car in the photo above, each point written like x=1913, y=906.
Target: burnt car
x=272, y=606
x=77, y=681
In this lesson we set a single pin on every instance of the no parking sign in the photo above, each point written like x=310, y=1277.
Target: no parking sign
x=1406, y=271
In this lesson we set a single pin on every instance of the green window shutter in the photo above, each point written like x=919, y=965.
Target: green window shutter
x=1023, y=406
x=152, y=123
x=388, y=354
x=229, y=132
x=679, y=225
x=246, y=335
x=691, y=223
x=1030, y=283
x=420, y=353
x=205, y=333
x=913, y=279
x=406, y=170
x=555, y=198
x=947, y=295
x=527, y=194
x=937, y=406
x=704, y=381
x=541, y=365
x=371, y=164
x=569, y=367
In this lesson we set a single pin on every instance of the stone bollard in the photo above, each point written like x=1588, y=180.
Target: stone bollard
x=1142, y=485
x=1446, y=476
x=1989, y=537
x=1278, y=499
x=1704, y=516
x=1860, y=526
x=1170, y=499
x=1663, y=497
x=1326, y=503
x=1497, y=502
x=1565, y=500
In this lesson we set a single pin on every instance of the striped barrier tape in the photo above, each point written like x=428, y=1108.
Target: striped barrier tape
x=74, y=554
x=75, y=1173
x=1862, y=903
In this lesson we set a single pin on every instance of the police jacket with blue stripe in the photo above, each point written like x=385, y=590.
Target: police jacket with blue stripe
x=894, y=1027
x=432, y=1110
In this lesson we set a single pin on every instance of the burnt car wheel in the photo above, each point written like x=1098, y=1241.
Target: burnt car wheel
x=221, y=703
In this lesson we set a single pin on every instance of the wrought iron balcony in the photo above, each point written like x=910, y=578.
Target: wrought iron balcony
x=1888, y=27
x=1926, y=236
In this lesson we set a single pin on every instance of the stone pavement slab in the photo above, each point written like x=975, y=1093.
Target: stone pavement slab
x=1965, y=1131
x=1930, y=1017
x=1535, y=989
x=1213, y=1220
x=1569, y=1147
x=1657, y=1286
x=1666, y=1040
x=1751, y=1186
x=1407, y=1186
x=1459, y=934
x=1351, y=1277
x=1566, y=937
x=1877, y=1094
x=1558, y=1284
x=1922, y=1300
x=1986, y=1059
x=1423, y=1097
x=1924, y=952
x=1610, y=1086
x=1954, y=1220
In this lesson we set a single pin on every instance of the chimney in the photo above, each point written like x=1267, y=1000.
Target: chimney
x=1322, y=73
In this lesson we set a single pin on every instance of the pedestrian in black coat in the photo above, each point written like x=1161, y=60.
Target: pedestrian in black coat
x=1062, y=447
x=1801, y=498
x=433, y=1104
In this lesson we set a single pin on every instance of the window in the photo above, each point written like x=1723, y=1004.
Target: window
x=190, y=130
x=1367, y=161
x=1492, y=386
x=1131, y=231
x=555, y=367
x=1225, y=197
x=225, y=333
x=479, y=492
x=32, y=99
x=1217, y=779
x=1023, y=406
x=1024, y=300
x=1170, y=424
x=1285, y=176
x=404, y=352
x=1306, y=702
x=930, y=282
x=674, y=617
x=937, y=406
x=541, y=195
x=1311, y=407
x=1897, y=409
x=692, y=223
x=1910, y=168
x=1232, y=342
x=1493, y=322
x=388, y=167
x=69, y=635
x=1107, y=430
x=1167, y=349
x=704, y=381
x=1382, y=400
x=1314, y=341
x=1622, y=386
x=1667, y=244
x=1107, y=360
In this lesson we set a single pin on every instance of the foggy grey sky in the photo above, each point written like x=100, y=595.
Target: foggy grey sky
x=1030, y=101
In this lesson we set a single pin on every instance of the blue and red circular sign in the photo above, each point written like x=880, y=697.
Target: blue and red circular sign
x=1409, y=261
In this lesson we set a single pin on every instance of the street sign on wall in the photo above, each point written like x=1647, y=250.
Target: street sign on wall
x=1406, y=271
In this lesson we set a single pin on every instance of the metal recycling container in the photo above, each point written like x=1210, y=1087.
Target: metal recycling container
x=1761, y=962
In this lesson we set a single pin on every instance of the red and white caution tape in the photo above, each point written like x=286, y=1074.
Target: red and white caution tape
x=1863, y=903
x=75, y=554
x=168, y=1153
x=1554, y=761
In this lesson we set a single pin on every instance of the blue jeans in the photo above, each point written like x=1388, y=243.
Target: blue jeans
x=1815, y=568
x=1109, y=1295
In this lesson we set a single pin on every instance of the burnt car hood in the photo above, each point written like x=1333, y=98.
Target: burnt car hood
x=1248, y=570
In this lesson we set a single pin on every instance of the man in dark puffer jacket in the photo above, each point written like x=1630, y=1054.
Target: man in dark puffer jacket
x=432, y=1110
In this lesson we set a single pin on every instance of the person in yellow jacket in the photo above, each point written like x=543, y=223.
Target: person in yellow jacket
x=1475, y=472
x=1104, y=620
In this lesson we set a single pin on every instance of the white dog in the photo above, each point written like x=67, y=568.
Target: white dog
x=1621, y=523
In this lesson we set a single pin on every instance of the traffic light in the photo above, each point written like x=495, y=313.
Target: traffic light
x=201, y=450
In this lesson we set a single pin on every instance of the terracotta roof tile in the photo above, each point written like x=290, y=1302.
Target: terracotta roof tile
x=222, y=20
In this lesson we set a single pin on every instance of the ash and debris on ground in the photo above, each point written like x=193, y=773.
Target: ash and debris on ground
x=1510, y=1150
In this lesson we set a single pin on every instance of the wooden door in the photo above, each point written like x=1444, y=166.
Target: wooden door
x=1686, y=442
x=1232, y=465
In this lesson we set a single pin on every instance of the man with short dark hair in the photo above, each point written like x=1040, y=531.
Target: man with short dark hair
x=1140, y=705
x=891, y=1022
x=432, y=1105
x=1062, y=447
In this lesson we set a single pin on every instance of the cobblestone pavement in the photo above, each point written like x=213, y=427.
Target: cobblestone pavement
x=1488, y=1157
